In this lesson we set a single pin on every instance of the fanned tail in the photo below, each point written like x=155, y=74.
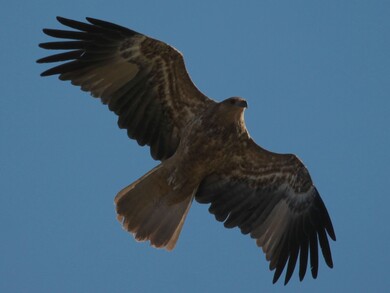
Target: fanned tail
x=144, y=208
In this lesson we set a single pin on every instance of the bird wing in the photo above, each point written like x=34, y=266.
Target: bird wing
x=271, y=197
x=143, y=80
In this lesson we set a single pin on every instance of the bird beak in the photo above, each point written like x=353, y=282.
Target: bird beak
x=243, y=104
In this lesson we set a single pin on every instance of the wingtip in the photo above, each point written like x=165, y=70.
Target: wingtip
x=314, y=272
x=276, y=277
x=61, y=19
x=45, y=73
x=46, y=30
x=332, y=234
x=41, y=60
x=94, y=20
x=44, y=46
x=288, y=278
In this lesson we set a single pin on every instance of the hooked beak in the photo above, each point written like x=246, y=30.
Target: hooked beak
x=243, y=104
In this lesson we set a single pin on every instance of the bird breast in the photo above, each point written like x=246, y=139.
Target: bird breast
x=205, y=146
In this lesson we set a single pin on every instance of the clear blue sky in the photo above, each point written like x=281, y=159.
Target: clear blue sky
x=316, y=75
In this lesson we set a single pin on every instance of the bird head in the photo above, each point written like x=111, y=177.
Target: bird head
x=232, y=110
x=236, y=102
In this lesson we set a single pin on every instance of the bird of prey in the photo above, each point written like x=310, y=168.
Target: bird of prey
x=205, y=150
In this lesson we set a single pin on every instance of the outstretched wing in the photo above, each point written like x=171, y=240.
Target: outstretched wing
x=272, y=198
x=144, y=81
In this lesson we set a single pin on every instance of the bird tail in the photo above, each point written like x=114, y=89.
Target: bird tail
x=146, y=209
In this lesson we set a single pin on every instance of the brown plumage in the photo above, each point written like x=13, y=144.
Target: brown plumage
x=204, y=147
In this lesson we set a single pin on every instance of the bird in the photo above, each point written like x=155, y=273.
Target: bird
x=204, y=149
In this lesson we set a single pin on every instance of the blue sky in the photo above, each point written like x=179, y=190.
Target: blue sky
x=316, y=75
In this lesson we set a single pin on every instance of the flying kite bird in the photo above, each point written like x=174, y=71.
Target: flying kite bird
x=205, y=150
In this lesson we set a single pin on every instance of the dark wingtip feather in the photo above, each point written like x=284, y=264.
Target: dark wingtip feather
x=326, y=218
x=277, y=275
x=63, y=68
x=43, y=45
x=103, y=23
x=314, y=255
x=47, y=31
x=66, y=34
x=111, y=26
x=67, y=45
x=330, y=230
x=61, y=57
x=303, y=258
x=78, y=25
x=326, y=252
x=281, y=263
x=40, y=61
x=291, y=263
x=62, y=19
x=48, y=72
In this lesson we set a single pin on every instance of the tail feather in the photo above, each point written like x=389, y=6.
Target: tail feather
x=145, y=208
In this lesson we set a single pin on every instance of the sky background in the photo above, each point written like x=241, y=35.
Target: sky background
x=316, y=75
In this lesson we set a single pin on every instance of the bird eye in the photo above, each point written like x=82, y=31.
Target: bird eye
x=232, y=101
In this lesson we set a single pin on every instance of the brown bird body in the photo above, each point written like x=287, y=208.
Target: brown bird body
x=170, y=188
x=204, y=147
